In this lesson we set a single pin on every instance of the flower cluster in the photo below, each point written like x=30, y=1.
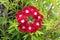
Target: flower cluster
x=30, y=19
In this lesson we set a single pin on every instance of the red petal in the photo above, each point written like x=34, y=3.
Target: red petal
x=37, y=24
x=40, y=16
x=20, y=15
x=34, y=14
x=32, y=8
x=17, y=15
x=27, y=11
x=22, y=28
x=22, y=21
x=35, y=10
x=30, y=28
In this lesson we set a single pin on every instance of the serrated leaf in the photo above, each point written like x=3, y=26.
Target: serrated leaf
x=13, y=24
x=25, y=36
x=38, y=33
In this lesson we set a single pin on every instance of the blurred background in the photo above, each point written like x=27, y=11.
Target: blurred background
x=51, y=23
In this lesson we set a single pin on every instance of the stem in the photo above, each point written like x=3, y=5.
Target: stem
x=49, y=12
x=50, y=31
x=6, y=14
x=22, y=4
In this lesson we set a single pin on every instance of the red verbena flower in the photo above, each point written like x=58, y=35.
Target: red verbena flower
x=30, y=19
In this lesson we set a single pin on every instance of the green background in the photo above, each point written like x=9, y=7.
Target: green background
x=51, y=23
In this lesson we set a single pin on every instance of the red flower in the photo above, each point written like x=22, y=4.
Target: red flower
x=30, y=19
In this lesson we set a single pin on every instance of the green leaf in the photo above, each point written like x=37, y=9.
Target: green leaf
x=25, y=36
x=13, y=24
x=38, y=33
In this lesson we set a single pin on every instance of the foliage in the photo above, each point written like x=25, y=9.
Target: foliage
x=9, y=27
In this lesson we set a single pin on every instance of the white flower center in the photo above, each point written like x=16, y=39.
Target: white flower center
x=37, y=23
x=29, y=28
x=27, y=11
x=23, y=27
x=22, y=21
x=20, y=15
x=35, y=13
x=31, y=9
x=39, y=17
